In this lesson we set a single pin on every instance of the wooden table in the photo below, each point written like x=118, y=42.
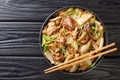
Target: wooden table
x=20, y=23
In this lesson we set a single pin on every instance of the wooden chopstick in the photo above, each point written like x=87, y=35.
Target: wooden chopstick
x=92, y=52
x=76, y=62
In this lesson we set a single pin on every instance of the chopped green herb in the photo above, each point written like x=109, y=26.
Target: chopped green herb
x=93, y=27
x=62, y=50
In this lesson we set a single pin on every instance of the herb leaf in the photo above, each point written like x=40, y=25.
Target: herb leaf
x=93, y=27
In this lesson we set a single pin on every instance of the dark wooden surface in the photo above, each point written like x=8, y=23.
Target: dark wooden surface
x=20, y=23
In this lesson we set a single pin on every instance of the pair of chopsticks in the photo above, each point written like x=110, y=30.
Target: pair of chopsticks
x=82, y=58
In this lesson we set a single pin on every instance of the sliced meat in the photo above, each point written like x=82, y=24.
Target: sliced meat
x=68, y=23
x=51, y=28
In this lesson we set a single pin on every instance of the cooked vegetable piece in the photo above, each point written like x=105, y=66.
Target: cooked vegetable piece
x=46, y=40
x=84, y=18
x=45, y=48
x=49, y=56
x=74, y=45
x=70, y=11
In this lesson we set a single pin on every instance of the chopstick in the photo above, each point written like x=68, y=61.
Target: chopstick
x=92, y=52
x=99, y=54
x=74, y=61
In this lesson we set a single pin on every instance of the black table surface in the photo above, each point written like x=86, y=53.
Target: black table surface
x=20, y=23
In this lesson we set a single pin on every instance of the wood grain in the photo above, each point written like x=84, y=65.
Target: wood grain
x=19, y=38
x=31, y=68
x=20, y=23
x=38, y=10
x=22, y=38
